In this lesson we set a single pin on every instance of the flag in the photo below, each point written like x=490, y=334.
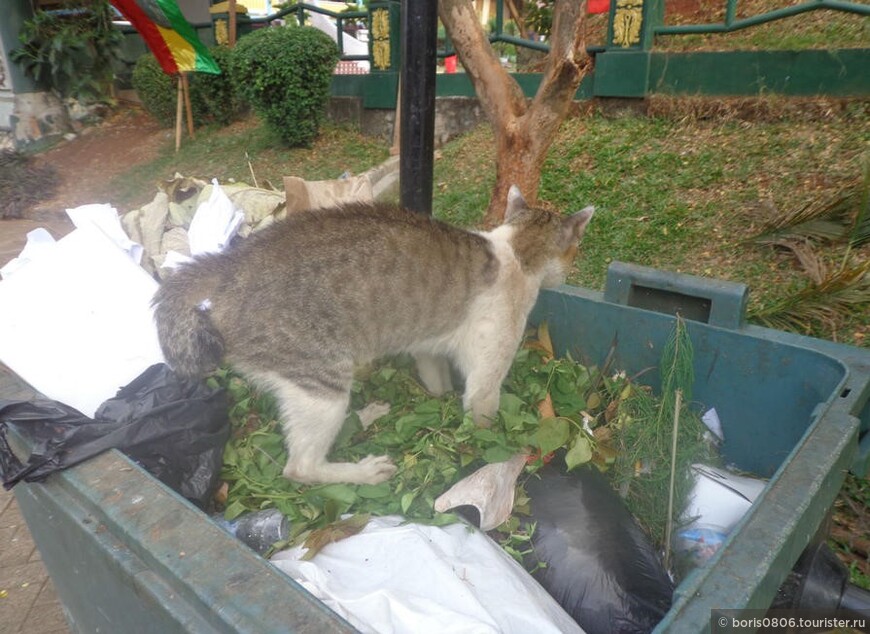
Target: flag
x=169, y=36
x=598, y=6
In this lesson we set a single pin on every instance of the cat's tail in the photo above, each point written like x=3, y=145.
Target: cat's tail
x=191, y=343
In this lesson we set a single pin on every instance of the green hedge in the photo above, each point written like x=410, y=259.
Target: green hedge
x=213, y=98
x=285, y=72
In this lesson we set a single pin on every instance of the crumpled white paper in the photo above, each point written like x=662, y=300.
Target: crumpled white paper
x=77, y=322
x=105, y=218
x=39, y=242
x=212, y=227
x=401, y=577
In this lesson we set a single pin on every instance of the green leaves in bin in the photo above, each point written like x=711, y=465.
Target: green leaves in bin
x=547, y=404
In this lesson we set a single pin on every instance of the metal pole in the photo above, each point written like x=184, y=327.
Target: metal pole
x=417, y=142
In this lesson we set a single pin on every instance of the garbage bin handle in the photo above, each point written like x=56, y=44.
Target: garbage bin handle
x=711, y=301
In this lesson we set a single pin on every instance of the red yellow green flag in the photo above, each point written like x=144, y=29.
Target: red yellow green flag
x=169, y=36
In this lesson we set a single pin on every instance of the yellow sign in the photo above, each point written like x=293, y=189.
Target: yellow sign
x=221, y=33
x=627, y=22
x=381, y=39
x=381, y=24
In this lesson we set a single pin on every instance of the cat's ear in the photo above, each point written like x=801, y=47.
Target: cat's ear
x=515, y=204
x=574, y=226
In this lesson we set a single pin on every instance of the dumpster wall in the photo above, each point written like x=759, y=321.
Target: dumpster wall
x=791, y=408
x=764, y=391
x=128, y=555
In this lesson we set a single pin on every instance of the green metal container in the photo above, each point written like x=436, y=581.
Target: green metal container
x=128, y=555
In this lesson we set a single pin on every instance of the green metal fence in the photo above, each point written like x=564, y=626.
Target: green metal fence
x=634, y=61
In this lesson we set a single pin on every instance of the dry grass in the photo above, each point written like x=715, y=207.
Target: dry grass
x=23, y=183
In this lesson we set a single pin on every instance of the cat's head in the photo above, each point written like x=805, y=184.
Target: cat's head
x=544, y=241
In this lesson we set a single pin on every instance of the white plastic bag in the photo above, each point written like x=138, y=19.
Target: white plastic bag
x=400, y=577
x=215, y=223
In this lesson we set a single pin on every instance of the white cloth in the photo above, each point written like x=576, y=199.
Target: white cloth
x=76, y=321
x=396, y=577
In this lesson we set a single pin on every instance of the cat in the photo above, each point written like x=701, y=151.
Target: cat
x=297, y=305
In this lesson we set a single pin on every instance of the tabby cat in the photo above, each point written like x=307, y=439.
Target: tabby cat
x=296, y=306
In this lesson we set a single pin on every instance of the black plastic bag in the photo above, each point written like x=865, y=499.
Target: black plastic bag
x=175, y=429
x=600, y=566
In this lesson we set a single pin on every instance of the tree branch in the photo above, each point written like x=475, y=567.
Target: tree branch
x=500, y=95
x=568, y=62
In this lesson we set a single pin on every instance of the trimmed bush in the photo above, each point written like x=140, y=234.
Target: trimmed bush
x=213, y=98
x=156, y=89
x=285, y=72
x=217, y=98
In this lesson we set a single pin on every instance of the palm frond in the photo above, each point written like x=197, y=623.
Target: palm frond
x=860, y=232
x=828, y=218
x=838, y=295
x=803, y=250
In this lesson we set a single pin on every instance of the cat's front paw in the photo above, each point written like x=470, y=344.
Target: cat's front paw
x=375, y=469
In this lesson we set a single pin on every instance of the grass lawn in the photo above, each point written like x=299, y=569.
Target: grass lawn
x=684, y=194
x=245, y=151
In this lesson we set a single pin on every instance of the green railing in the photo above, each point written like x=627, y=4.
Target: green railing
x=631, y=63
x=731, y=23
x=634, y=64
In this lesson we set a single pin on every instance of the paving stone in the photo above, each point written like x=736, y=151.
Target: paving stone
x=28, y=602
x=16, y=546
x=44, y=618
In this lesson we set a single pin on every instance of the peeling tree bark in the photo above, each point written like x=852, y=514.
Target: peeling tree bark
x=524, y=129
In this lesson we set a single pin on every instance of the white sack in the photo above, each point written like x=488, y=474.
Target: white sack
x=396, y=577
x=76, y=322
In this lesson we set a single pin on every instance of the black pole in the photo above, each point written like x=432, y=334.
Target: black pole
x=417, y=126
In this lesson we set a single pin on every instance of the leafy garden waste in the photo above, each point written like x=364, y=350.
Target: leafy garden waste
x=583, y=464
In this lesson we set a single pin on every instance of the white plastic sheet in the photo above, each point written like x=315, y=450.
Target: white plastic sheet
x=212, y=227
x=105, y=218
x=396, y=577
x=720, y=498
x=39, y=242
x=76, y=321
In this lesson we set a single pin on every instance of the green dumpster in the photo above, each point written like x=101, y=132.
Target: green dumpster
x=128, y=555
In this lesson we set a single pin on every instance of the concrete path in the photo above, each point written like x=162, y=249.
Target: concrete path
x=28, y=603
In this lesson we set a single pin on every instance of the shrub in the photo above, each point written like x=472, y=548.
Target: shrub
x=23, y=183
x=156, y=89
x=284, y=72
x=73, y=53
x=213, y=98
x=216, y=96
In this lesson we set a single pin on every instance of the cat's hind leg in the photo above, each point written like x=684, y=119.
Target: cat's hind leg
x=312, y=416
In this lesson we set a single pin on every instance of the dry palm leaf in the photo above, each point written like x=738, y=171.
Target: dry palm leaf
x=839, y=294
x=803, y=250
x=830, y=218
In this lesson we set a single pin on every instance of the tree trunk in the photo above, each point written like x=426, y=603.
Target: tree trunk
x=524, y=130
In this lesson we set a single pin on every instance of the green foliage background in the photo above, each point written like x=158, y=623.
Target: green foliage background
x=285, y=74
x=214, y=98
x=73, y=55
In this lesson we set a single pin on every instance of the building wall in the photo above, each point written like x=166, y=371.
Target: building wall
x=196, y=11
x=28, y=114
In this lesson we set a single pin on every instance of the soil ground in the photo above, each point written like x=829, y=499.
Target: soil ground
x=84, y=166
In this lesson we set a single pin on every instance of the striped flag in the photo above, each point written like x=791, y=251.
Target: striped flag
x=169, y=36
